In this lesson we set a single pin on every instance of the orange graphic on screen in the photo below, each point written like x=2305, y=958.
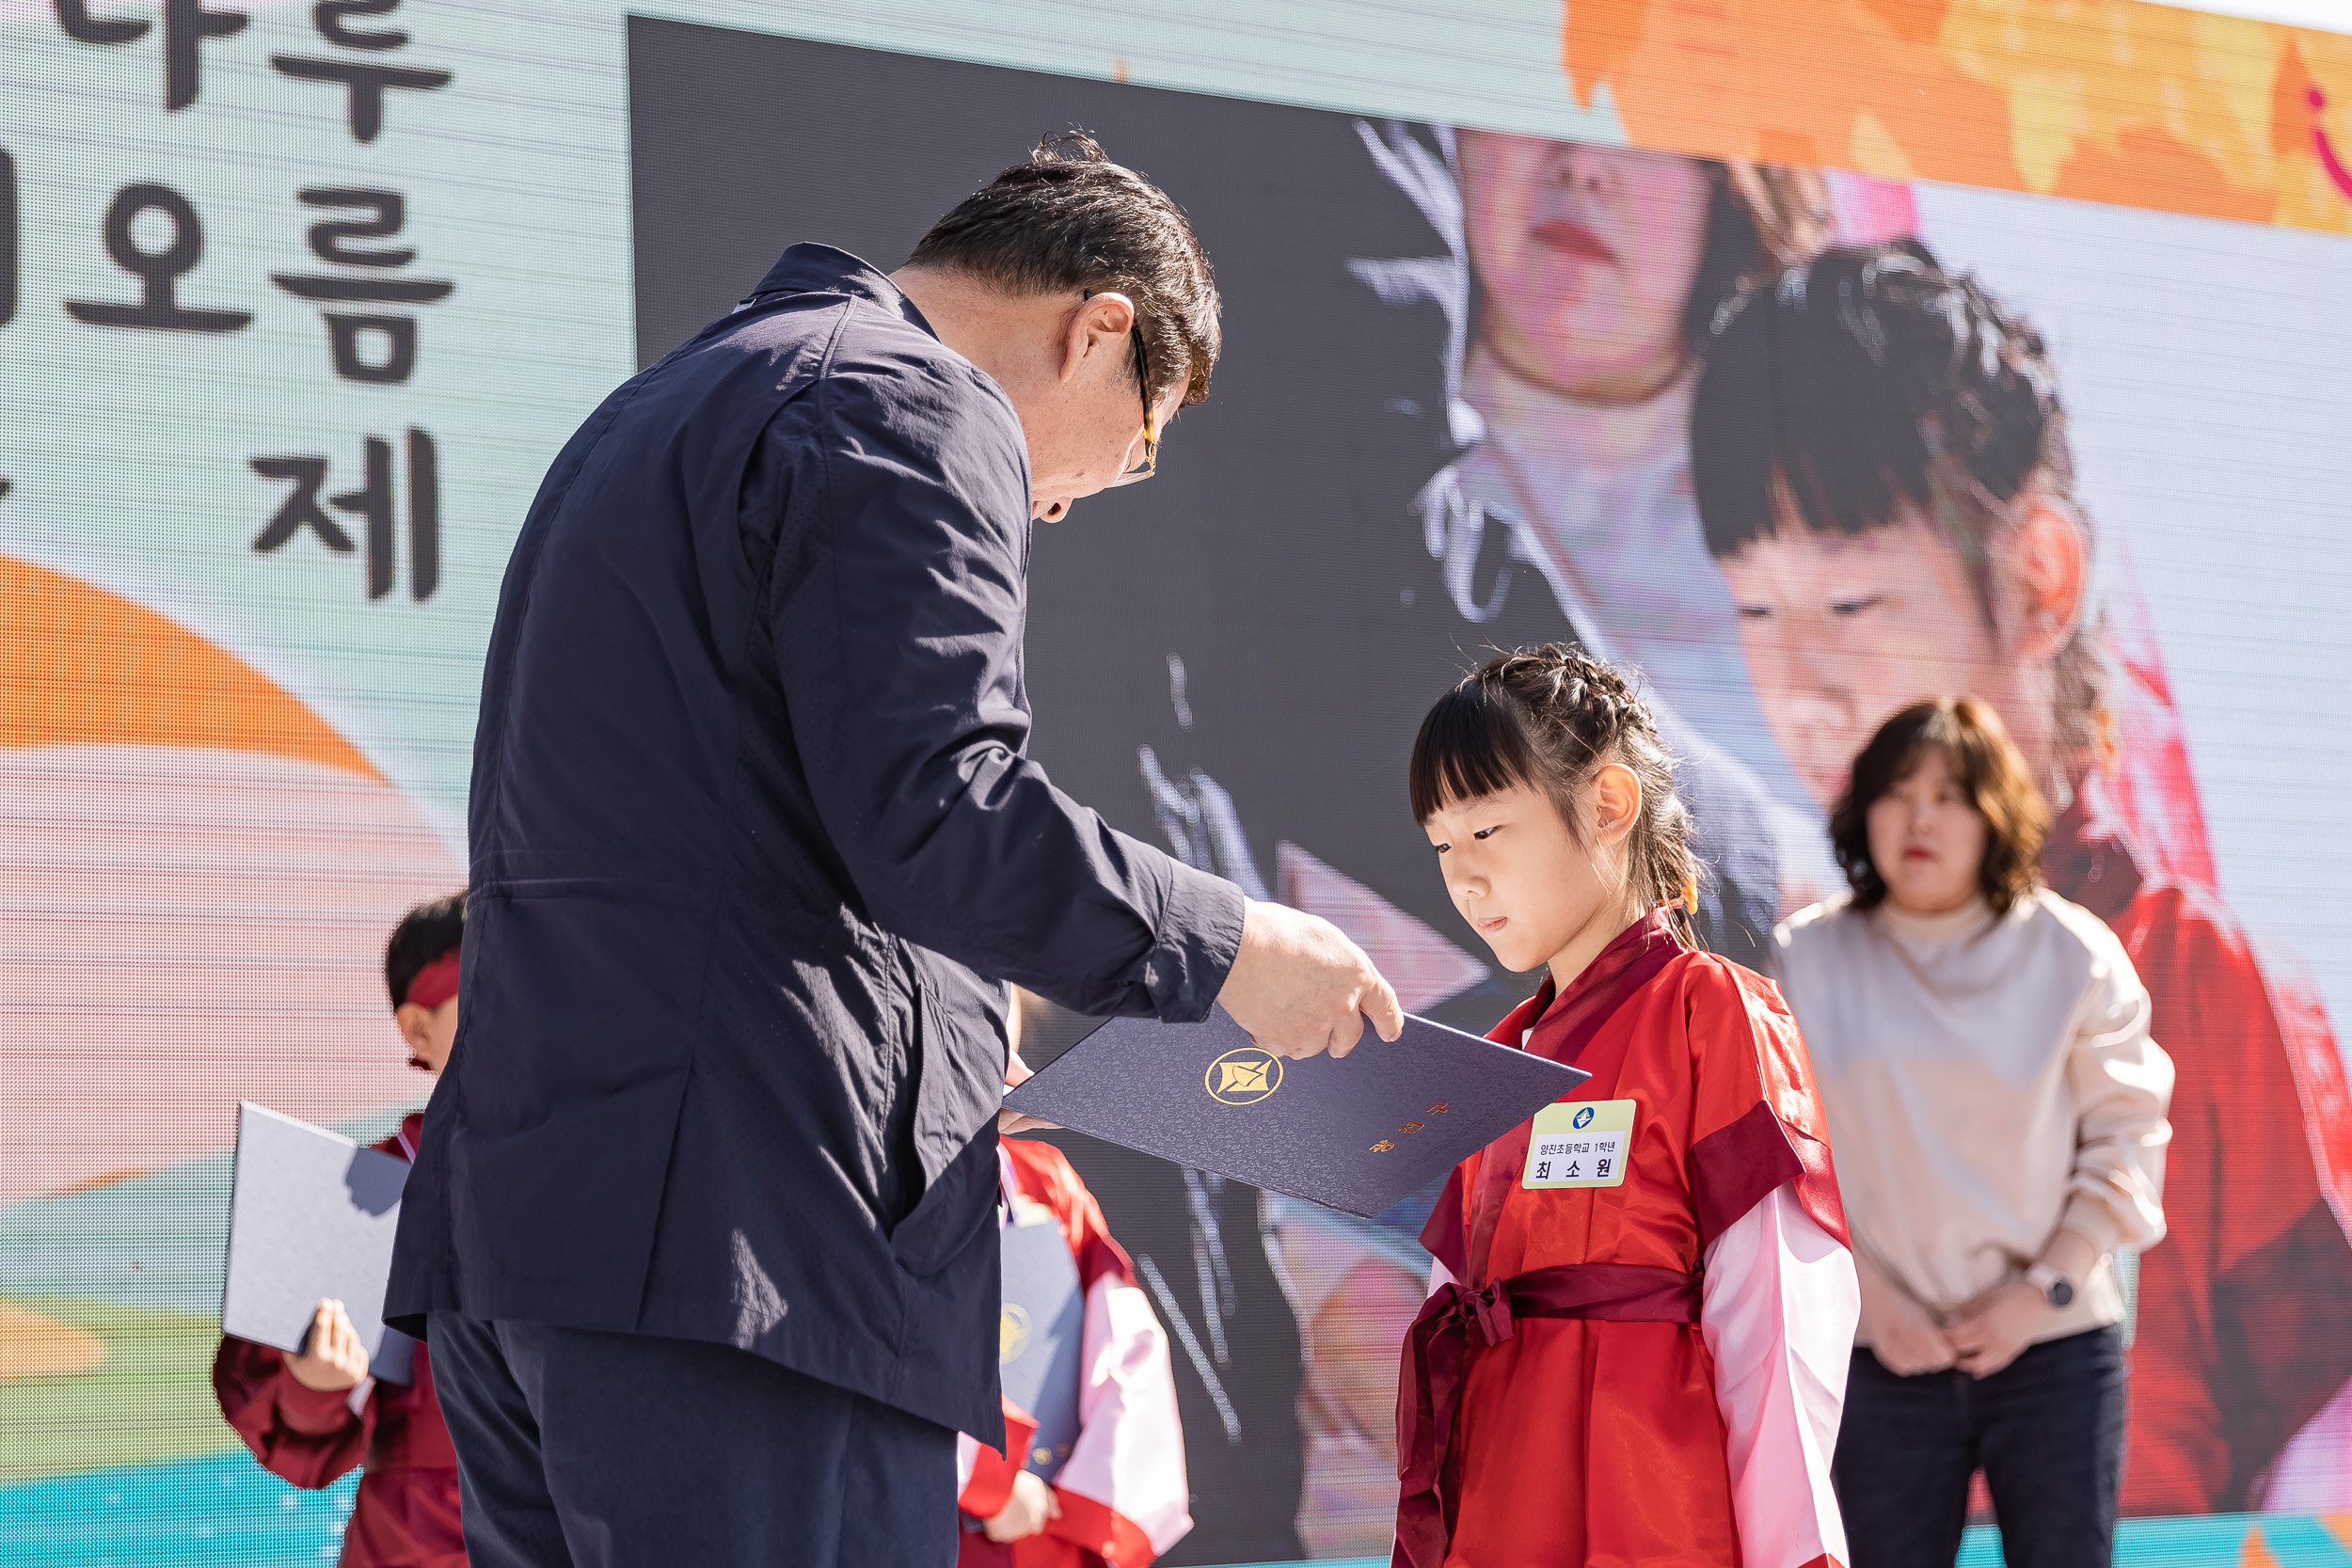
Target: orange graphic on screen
x=79, y=666
x=201, y=871
x=2111, y=101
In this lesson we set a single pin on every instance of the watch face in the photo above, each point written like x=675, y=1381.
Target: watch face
x=2061, y=1292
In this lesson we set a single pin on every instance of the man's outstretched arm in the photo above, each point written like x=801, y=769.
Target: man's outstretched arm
x=895, y=615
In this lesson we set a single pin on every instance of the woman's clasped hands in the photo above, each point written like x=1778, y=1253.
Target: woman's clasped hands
x=1980, y=1336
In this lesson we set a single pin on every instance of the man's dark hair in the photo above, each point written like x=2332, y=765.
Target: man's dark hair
x=1988, y=767
x=429, y=931
x=1071, y=219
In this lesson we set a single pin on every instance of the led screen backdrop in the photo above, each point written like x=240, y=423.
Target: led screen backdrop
x=296, y=304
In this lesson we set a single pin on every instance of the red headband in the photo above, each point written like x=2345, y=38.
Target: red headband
x=435, y=983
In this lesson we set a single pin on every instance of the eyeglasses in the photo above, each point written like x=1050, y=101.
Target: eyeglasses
x=1151, y=417
x=1150, y=463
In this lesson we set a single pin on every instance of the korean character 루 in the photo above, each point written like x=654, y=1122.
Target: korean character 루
x=364, y=81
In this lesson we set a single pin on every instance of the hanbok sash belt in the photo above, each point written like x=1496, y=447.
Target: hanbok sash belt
x=1437, y=1353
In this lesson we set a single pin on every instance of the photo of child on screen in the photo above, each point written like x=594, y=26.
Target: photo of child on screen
x=1579, y=289
x=1881, y=463
x=1596, y=273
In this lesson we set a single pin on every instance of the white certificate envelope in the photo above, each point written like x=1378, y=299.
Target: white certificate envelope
x=311, y=1216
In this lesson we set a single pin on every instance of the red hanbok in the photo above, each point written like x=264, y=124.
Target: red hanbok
x=1649, y=1373
x=405, y=1516
x=2239, y=1338
x=1123, y=1491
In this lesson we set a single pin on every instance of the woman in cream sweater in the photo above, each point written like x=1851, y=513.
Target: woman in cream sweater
x=1997, y=1106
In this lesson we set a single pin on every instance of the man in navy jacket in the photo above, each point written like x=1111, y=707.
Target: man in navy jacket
x=703, y=1218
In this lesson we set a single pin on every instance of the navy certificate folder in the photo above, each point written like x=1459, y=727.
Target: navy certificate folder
x=1357, y=1134
x=1038, y=1337
x=312, y=1215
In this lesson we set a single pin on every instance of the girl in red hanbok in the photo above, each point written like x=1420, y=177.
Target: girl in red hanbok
x=1637, y=1345
x=314, y=1418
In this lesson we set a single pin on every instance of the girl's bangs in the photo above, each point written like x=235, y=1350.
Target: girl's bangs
x=1472, y=745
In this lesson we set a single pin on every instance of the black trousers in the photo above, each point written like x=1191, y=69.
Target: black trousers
x=2047, y=1430
x=580, y=1449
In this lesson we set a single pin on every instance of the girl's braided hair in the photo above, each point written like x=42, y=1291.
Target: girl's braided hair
x=1549, y=718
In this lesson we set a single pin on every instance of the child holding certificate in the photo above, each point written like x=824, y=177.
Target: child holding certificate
x=1112, y=1493
x=315, y=1417
x=1636, y=1349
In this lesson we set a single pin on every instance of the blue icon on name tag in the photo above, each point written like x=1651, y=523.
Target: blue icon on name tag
x=1584, y=1117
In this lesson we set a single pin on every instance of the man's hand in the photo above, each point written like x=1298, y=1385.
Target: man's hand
x=1994, y=1329
x=1299, y=988
x=1030, y=1508
x=332, y=1358
x=1902, y=1336
x=1018, y=1073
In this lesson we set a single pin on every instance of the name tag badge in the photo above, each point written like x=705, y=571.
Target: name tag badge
x=1581, y=1143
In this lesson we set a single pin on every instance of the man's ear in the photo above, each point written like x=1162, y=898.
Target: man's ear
x=1616, y=802
x=2050, y=563
x=416, y=1025
x=1098, y=320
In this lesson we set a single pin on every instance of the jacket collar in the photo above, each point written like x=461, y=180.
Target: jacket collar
x=821, y=269
x=1556, y=1026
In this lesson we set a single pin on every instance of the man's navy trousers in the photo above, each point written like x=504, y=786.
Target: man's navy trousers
x=578, y=1448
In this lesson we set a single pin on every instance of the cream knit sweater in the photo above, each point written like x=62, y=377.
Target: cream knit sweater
x=1988, y=1080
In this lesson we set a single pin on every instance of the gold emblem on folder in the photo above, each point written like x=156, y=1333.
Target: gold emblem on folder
x=1243, y=1077
x=1012, y=1334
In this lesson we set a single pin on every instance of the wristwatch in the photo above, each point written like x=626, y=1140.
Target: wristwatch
x=2055, y=1288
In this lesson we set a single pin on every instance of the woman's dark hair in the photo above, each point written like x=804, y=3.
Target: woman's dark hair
x=1070, y=219
x=1977, y=748
x=431, y=931
x=1869, y=378
x=1761, y=219
x=1549, y=718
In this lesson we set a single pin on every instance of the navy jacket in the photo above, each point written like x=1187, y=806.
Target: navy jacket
x=750, y=822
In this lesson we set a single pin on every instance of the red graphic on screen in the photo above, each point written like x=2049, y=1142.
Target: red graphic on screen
x=2327, y=159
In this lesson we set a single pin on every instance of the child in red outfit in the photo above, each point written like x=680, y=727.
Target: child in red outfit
x=1121, y=1499
x=1636, y=1348
x=315, y=1417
